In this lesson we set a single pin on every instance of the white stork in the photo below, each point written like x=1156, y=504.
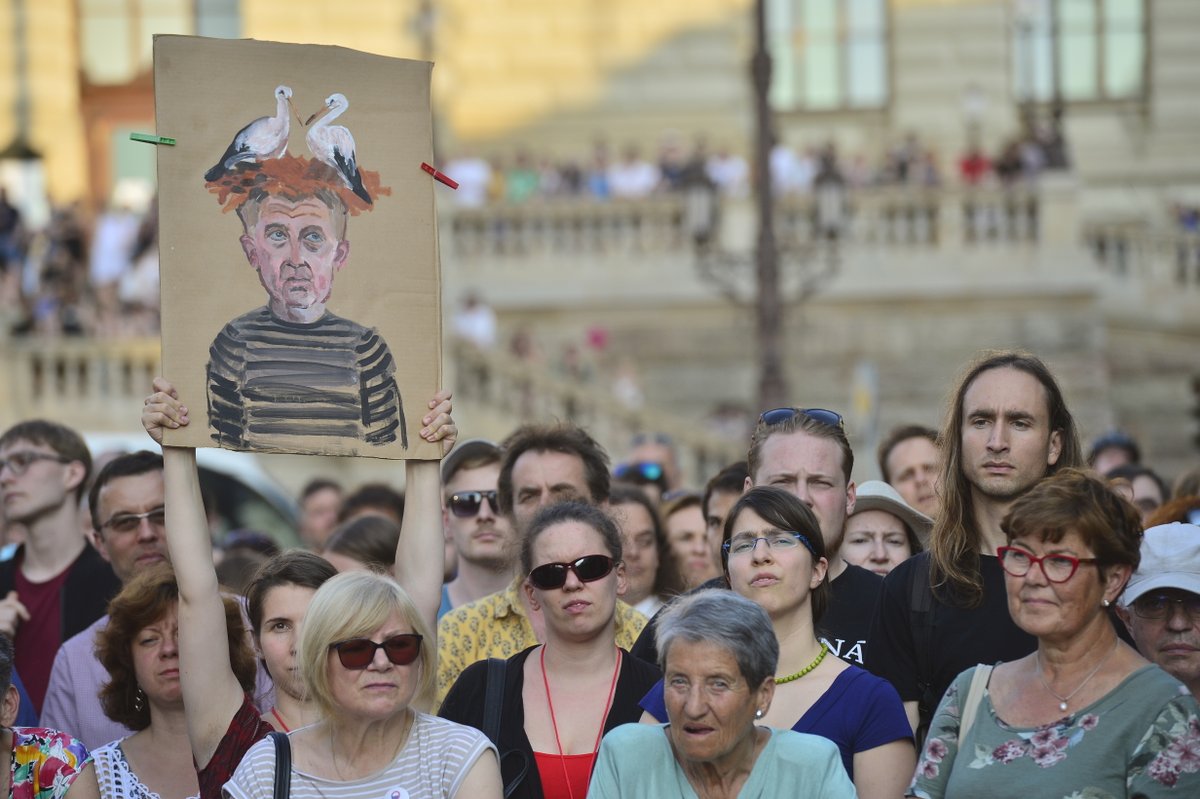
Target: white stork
x=334, y=145
x=265, y=137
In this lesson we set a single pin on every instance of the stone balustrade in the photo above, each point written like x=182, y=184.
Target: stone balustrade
x=1134, y=252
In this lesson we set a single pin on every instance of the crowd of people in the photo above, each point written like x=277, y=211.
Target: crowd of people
x=999, y=615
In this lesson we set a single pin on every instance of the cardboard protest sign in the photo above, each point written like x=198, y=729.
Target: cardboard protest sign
x=301, y=299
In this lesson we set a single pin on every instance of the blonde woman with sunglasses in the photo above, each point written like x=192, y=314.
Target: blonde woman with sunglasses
x=222, y=723
x=558, y=699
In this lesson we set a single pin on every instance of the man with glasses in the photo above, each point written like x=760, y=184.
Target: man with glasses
x=55, y=585
x=542, y=465
x=805, y=452
x=126, y=504
x=1161, y=603
x=946, y=609
x=481, y=536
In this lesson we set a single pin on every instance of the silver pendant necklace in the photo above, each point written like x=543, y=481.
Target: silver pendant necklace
x=1063, y=700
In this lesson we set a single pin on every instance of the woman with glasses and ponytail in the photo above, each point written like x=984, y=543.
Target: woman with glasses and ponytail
x=1084, y=714
x=554, y=702
x=222, y=721
x=774, y=555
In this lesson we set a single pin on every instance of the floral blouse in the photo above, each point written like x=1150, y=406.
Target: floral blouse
x=45, y=763
x=1141, y=739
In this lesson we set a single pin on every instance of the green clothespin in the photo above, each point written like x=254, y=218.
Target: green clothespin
x=150, y=138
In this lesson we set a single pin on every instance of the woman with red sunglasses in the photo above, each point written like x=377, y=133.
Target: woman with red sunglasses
x=557, y=699
x=1085, y=714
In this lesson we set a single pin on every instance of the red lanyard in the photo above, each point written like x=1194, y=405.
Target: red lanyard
x=554, y=722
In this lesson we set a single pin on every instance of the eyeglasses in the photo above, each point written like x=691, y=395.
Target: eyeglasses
x=644, y=470
x=357, y=653
x=781, y=415
x=1160, y=606
x=466, y=504
x=19, y=462
x=1057, y=568
x=588, y=569
x=776, y=542
x=130, y=522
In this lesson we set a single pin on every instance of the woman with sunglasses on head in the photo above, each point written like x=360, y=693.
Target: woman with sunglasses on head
x=1085, y=714
x=222, y=721
x=559, y=698
x=368, y=658
x=775, y=556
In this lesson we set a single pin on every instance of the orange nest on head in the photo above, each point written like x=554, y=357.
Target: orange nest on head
x=293, y=177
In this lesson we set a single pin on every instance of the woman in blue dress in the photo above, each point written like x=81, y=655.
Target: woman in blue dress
x=775, y=556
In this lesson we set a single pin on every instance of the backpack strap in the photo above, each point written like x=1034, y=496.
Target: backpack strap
x=970, y=706
x=283, y=764
x=493, y=698
x=920, y=603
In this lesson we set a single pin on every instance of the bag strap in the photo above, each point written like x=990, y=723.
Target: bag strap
x=920, y=605
x=493, y=698
x=283, y=765
x=970, y=705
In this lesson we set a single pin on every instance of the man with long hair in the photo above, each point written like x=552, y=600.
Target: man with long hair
x=945, y=609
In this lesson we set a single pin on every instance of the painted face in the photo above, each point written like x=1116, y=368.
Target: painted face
x=485, y=538
x=284, y=608
x=687, y=535
x=1047, y=609
x=913, y=467
x=875, y=540
x=126, y=542
x=1173, y=642
x=1007, y=443
x=710, y=706
x=640, y=550
x=544, y=478
x=811, y=468
x=778, y=580
x=295, y=250
x=156, y=659
x=318, y=516
x=577, y=610
x=43, y=486
x=382, y=689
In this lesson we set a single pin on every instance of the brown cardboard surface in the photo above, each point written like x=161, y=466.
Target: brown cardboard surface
x=286, y=387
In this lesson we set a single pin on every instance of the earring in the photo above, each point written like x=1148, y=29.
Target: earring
x=139, y=701
x=1105, y=602
x=758, y=714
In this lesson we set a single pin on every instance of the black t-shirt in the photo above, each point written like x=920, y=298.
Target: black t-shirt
x=961, y=637
x=847, y=622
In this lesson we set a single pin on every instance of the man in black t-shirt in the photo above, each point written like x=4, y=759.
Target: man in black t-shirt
x=946, y=609
x=806, y=452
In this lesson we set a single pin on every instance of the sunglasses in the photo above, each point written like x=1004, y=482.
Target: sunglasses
x=588, y=569
x=466, y=504
x=357, y=653
x=781, y=415
x=643, y=470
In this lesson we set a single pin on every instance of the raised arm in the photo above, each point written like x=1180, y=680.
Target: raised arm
x=211, y=693
x=421, y=549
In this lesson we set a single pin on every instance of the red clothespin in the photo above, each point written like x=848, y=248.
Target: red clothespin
x=439, y=176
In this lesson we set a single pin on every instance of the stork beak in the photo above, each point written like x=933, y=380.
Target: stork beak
x=324, y=110
x=295, y=113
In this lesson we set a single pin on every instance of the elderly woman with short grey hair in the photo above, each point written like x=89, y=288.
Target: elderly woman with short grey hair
x=718, y=653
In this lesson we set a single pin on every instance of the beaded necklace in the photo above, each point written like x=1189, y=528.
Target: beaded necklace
x=816, y=662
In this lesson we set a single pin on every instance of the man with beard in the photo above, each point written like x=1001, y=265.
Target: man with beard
x=945, y=609
x=481, y=535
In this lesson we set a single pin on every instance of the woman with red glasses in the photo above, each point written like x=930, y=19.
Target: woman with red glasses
x=1085, y=714
x=367, y=658
x=555, y=701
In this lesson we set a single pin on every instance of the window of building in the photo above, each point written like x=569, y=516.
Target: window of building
x=828, y=54
x=1096, y=47
x=116, y=37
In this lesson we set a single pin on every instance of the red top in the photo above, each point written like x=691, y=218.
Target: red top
x=564, y=776
x=38, y=639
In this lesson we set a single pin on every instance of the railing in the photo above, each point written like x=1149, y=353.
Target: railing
x=886, y=215
x=1134, y=251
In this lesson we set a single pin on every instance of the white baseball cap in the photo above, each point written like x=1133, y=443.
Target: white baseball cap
x=1170, y=559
